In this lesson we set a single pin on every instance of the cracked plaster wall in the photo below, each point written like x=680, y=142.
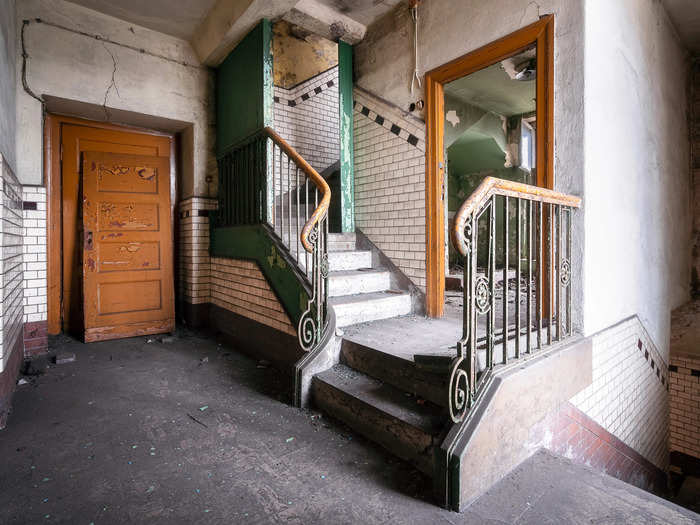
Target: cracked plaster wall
x=148, y=91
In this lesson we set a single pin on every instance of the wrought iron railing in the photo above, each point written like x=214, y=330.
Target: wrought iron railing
x=299, y=216
x=264, y=180
x=518, y=234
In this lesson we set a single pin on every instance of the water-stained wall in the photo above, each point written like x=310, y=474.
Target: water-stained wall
x=299, y=55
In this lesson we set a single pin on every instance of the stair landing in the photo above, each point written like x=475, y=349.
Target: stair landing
x=412, y=334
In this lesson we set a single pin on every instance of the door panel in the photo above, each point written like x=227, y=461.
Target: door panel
x=76, y=139
x=127, y=267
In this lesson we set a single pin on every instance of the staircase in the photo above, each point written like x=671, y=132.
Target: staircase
x=388, y=400
x=359, y=291
x=383, y=397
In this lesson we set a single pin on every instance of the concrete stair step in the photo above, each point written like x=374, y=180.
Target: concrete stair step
x=395, y=371
x=349, y=260
x=341, y=242
x=350, y=282
x=381, y=413
x=362, y=308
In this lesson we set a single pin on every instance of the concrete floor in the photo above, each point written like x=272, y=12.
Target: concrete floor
x=192, y=432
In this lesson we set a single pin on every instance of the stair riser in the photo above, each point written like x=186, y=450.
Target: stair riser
x=363, y=283
x=373, y=310
x=339, y=261
x=395, y=371
x=341, y=246
x=401, y=439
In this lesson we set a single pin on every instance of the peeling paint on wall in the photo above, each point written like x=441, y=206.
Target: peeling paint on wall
x=300, y=55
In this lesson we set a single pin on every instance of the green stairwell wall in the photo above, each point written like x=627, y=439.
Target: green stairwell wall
x=244, y=104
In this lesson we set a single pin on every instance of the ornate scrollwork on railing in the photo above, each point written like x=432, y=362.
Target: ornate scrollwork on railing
x=460, y=397
x=299, y=198
x=565, y=272
x=482, y=295
x=312, y=321
x=527, y=233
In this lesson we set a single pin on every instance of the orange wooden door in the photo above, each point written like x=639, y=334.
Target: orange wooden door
x=76, y=138
x=127, y=246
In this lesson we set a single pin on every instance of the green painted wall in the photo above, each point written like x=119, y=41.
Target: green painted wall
x=347, y=170
x=254, y=243
x=244, y=95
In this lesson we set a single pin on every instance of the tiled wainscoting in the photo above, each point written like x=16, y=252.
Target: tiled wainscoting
x=34, y=279
x=684, y=372
x=240, y=287
x=626, y=405
x=234, y=285
x=11, y=313
x=307, y=117
x=390, y=182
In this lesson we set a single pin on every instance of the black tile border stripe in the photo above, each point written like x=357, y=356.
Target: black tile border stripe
x=385, y=123
x=305, y=96
x=650, y=359
x=691, y=371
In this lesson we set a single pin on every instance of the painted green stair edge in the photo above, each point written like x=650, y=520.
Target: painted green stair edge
x=255, y=243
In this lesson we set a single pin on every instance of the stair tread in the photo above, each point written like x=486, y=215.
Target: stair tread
x=363, y=297
x=424, y=416
x=364, y=271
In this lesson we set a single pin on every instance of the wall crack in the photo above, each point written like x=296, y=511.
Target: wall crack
x=112, y=84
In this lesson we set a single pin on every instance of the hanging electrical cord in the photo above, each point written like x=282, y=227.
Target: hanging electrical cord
x=413, y=7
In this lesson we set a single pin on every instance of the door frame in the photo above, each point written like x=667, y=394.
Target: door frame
x=540, y=33
x=53, y=178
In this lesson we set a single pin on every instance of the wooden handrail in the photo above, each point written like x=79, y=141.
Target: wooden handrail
x=493, y=186
x=312, y=174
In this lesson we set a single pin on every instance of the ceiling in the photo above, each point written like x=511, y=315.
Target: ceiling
x=363, y=11
x=158, y=15
x=182, y=22
x=685, y=15
x=492, y=89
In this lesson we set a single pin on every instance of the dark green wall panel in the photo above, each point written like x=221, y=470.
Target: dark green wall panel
x=254, y=243
x=244, y=89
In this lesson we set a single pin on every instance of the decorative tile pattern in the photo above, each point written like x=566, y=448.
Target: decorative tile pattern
x=394, y=128
x=629, y=393
x=390, y=182
x=307, y=117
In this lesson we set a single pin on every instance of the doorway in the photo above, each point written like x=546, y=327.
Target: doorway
x=526, y=57
x=110, y=217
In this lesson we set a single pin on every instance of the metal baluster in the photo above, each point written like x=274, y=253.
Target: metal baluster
x=550, y=246
x=529, y=277
x=559, y=286
x=569, y=258
x=281, y=199
x=245, y=182
x=234, y=188
x=492, y=282
x=517, y=278
x=474, y=327
x=505, y=279
x=540, y=279
x=307, y=269
x=298, y=240
x=289, y=204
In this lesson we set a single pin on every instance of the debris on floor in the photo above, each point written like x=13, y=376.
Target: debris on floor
x=64, y=357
